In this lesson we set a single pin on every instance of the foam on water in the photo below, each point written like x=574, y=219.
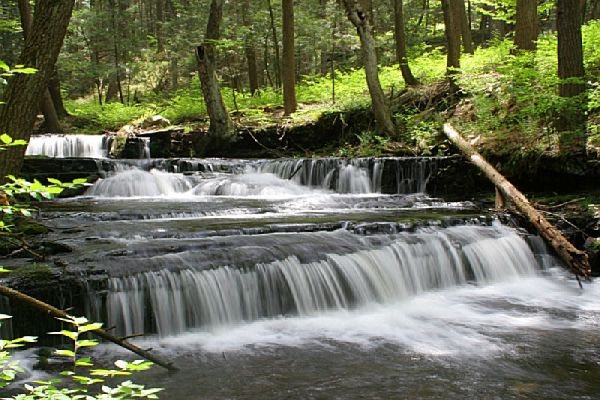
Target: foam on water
x=472, y=321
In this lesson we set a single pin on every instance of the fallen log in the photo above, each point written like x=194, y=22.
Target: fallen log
x=55, y=312
x=576, y=259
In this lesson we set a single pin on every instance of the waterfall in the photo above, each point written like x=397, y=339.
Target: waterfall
x=169, y=302
x=62, y=146
x=133, y=182
x=358, y=175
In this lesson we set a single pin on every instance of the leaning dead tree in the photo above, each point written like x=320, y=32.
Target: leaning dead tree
x=55, y=312
x=576, y=259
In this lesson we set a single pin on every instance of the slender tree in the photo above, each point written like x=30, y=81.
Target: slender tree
x=465, y=26
x=221, y=126
x=249, y=47
x=527, y=25
x=289, y=58
x=400, y=38
x=42, y=45
x=275, y=45
x=452, y=25
x=381, y=110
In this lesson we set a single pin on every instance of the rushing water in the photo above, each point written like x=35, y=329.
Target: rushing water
x=300, y=279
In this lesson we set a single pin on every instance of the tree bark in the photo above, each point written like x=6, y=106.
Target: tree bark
x=249, y=47
x=571, y=118
x=57, y=100
x=221, y=126
x=527, y=25
x=51, y=119
x=40, y=51
x=465, y=26
x=452, y=29
x=576, y=259
x=569, y=18
x=400, y=38
x=56, y=313
x=275, y=46
x=289, y=58
x=381, y=109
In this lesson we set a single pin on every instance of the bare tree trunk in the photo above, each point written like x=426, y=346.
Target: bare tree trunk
x=51, y=121
x=452, y=24
x=40, y=51
x=465, y=27
x=571, y=121
x=249, y=47
x=400, y=36
x=289, y=58
x=369, y=55
x=570, y=48
x=116, y=57
x=221, y=126
x=57, y=100
x=576, y=259
x=275, y=46
x=527, y=25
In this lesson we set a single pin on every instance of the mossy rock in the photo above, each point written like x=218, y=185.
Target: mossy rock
x=30, y=227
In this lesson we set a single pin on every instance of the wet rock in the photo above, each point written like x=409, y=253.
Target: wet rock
x=51, y=248
x=155, y=121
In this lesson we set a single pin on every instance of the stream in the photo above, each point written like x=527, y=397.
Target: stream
x=308, y=279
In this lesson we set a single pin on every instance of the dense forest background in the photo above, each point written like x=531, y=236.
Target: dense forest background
x=511, y=82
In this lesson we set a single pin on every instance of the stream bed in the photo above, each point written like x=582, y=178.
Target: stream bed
x=301, y=279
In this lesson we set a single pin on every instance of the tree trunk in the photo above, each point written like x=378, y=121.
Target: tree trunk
x=452, y=25
x=527, y=25
x=40, y=51
x=221, y=126
x=275, y=46
x=51, y=120
x=249, y=47
x=570, y=48
x=381, y=109
x=571, y=120
x=465, y=27
x=400, y=38
x=576, y=259
x=289, y=58
x=57, y=100
x=595, y=10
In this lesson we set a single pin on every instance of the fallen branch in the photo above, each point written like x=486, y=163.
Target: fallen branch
x=55, y=312
x=576, y=259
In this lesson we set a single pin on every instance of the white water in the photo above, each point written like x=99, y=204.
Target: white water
x=61, y=146
x=412, y=264
x=358, y=175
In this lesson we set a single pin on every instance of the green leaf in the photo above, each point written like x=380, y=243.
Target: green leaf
x=89, y=327
x=79, y=181
x=4, y=66
x=71, y=335
x=84, y=362
x=65, y=353
x=54, y=181
x=6, y=139
x=86, y=343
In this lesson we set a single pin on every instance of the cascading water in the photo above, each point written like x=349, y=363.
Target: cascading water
x=62, y=146
x=172, y=302
x=325, y=278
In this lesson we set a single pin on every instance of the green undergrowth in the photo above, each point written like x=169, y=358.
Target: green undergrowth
x=509, y=103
